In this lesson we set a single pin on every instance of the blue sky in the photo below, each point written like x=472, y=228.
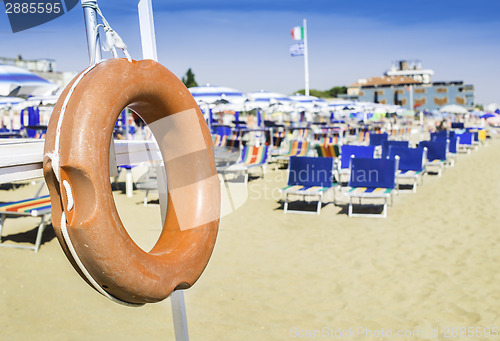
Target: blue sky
x=244, y=44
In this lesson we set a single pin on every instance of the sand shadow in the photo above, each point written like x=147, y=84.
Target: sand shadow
x=300, y=205
x=361, y=209
x=12, y=186
x=121, y=186
x=30, y=236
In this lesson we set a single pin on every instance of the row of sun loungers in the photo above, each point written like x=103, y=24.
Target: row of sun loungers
x=373, y=171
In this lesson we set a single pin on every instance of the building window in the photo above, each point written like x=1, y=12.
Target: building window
x=420, y=101
x=441, y=90
x=440, y=101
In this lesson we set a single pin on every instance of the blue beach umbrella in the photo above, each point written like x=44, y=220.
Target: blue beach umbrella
x=9, y=102
x=216, y=95
x=20, y=82
x=264, y=99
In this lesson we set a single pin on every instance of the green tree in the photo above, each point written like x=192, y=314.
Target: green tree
x=337, y=90
x=333, y=92
x=188, y=79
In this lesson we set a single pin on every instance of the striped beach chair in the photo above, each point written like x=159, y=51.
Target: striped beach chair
x=251, y=157
x=297, y=148
x=327, y=150
x=302, y=134
x=363, y=136
x=309, y=177
x=34, y=207
x=219, y=140
x=329, y=140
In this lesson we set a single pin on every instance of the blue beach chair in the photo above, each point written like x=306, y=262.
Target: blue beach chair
x=453, y=145
x=346, y=151
x=389, y=143
x=309, y=176
x=411, y=164
x=372, y=179
x=466, y=143
x=437, y=153
x=378, y=139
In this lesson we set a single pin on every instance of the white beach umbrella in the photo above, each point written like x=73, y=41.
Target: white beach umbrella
x=311, y=104
x=217, y=95
x=266, y=99
x=10, y=102
x=453, y=109
x=21, y=82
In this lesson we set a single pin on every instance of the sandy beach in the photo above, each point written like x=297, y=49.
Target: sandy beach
x=431, y=266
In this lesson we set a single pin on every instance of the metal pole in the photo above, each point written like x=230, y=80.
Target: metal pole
x=179, y=316
x=306, y=59
x=411, y=97
x=149, y=51
x=93, y=42
x=147, y=27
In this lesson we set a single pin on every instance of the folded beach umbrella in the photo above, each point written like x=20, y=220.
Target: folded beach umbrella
x=20, y=82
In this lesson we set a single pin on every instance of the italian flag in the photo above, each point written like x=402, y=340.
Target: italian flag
x=298, y=33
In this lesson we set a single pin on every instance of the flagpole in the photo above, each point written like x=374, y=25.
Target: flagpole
x=306, y=60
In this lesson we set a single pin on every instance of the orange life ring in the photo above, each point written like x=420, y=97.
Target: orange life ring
x=76, y=170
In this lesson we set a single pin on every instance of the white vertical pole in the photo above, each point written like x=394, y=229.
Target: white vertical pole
x=179, y=312
x=94, y=47
x=411, y=97
x=93, y=43
x=149, y=51
x=147, y=27
x=306, y=59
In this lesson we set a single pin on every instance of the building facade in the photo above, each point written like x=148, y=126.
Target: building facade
x=410, y=86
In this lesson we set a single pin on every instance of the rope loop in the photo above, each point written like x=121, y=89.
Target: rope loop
x=113, y=39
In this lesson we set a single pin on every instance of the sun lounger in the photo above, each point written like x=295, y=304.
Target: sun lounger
x=346, y=151
x=386, y=144
x=219, y=140
x=297, y=148
x=377, y=139
x=372, y=179
x=251, y=157
x=327, y=150
x=453, y=146
x=466, y=143
x=436, y=155
x=309, y=177
x=411, y=164
x=147, y=183
x=34, y=207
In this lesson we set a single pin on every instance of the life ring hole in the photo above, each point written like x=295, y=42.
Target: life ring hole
x=135, y=187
